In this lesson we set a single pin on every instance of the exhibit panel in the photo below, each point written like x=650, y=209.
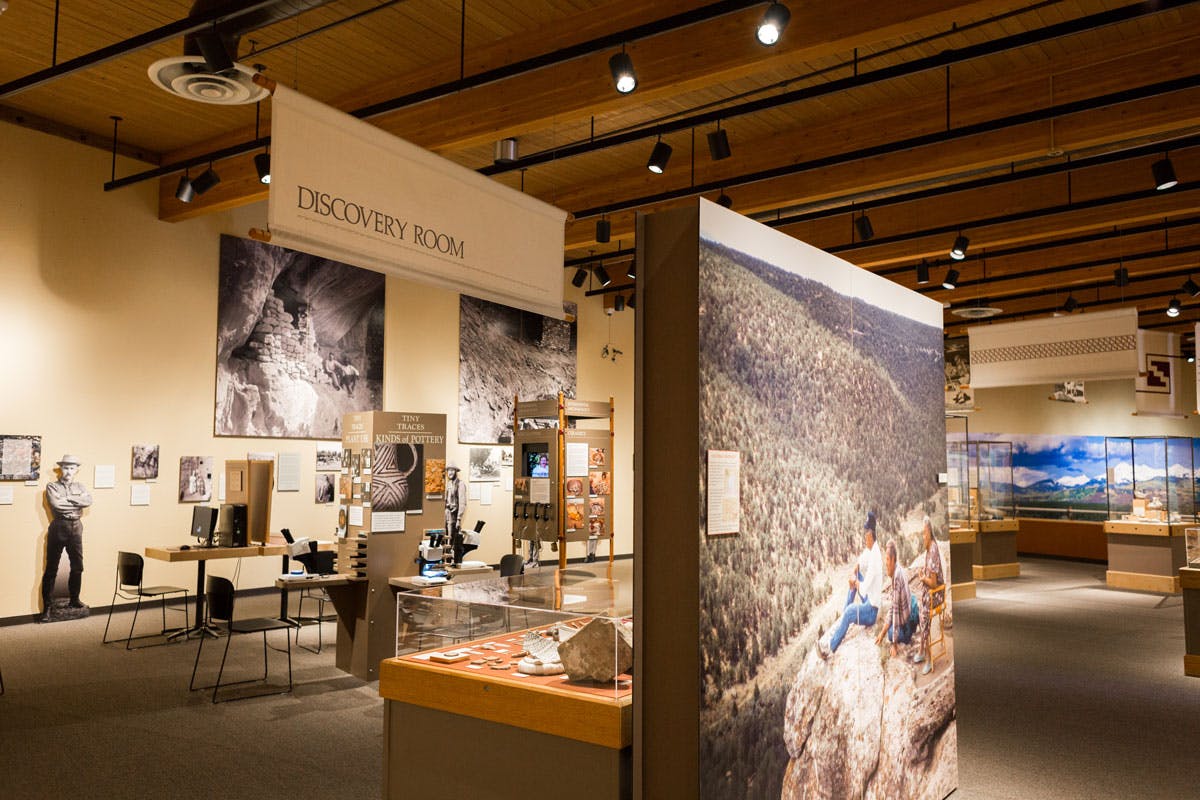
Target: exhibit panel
x=816, y=409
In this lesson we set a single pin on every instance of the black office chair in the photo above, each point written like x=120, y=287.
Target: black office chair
x=317, y=563
x=129, y=587
x=219, y=592
x=512, y=564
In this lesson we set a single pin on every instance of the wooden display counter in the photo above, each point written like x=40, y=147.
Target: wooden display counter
x=1062, y=538
x=1189, y=580
x=580, y=735
x=995, y=549
x=962, y=562
x=1145, y=556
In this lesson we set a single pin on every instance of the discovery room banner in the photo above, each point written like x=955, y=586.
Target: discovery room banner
x=377, y=201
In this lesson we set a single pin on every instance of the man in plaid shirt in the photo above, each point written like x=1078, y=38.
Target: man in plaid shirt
x=904, y=614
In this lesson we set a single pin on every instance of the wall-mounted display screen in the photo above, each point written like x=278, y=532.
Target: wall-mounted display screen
x=536, y=460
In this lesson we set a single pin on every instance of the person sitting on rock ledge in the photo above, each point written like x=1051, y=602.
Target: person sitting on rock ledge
x=862, y=601
x=904, y=614
x=930, y=576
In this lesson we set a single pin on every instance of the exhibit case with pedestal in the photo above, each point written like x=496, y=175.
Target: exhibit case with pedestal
x=536, y=664
x=1151, y=496
x=995, y=515
x=958, y=507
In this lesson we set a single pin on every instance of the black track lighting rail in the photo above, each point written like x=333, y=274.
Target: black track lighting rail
x=1084, y=305
x=945, y=58
x=911, y=143
x=164, y=33
x=769, y=219
x=562, y=55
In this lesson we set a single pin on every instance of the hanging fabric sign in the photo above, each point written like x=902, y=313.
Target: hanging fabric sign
x=1159, y=374
x=1092, y=346
x=346, y=190
x=959, y=394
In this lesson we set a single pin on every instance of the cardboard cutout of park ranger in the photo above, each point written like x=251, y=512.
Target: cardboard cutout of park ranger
x=67, y=499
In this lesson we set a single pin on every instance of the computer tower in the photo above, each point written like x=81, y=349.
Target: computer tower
x=233, y=525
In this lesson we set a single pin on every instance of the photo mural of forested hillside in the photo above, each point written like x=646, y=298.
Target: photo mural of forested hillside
x=1067, y=477
x=835, y=406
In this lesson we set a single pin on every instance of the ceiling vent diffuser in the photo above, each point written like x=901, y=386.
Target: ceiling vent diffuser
x=190, y=78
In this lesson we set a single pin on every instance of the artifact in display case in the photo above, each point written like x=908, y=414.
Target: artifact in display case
x=562, y=477
x=958, y=495
x=993, y=465
x=1151, y=480
x=1191, y=538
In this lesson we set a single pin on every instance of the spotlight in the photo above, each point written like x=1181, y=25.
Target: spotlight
x=951, y=279
x=866, y=231
x=206, y=180
x=184, y=192
x=1071, y=304
x=1121, y=276
x=659, y=157
x=603, y=230
x=602, y=276
x=959, y=250
x=619, y=302
x=1191, y=287
x=724, y=200
x=262, y=163
x=718, y=144
x=631, y=270
x=772, y=24
x=579, y=277
x=1164, y=174
x=632, y=300
x=621, y=67
x=506, y=151
x=922, y=273
x=1174, y=307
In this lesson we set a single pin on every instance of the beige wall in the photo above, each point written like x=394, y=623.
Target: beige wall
x=107, y=338
x=1108, y=412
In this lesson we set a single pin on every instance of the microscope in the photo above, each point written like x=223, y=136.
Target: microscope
x=431, y=557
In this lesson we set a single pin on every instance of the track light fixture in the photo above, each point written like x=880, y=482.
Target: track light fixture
x=632, y=300
x=619, y=303
x=506, y=151
x=184, y=192
x=1174, y=307
x=1121, y=276
x=621, y=67
x=262, y=164
x=1191, y=287
x=866, y=231
x=1164, y=174
x=603, y=230
x=1071, y=304
x=958, y=251
x=659, y=157
x=601, y=275
x=631, y=270
x=724, y=200
x=718, y=144
x=206, y=180
x=770, y=28
x=923, y=273
x=951, y=279
x=579, y=277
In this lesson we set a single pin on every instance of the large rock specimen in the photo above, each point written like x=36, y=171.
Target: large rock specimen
x=599, y=651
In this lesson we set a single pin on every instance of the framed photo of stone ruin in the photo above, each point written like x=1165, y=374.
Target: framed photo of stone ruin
x=20, y=458
x=299, y=342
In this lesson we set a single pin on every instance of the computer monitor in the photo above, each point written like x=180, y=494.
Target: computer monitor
x=204, y=521
x=536, y=460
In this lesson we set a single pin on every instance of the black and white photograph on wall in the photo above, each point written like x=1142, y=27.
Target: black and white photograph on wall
x=20, y=458
x=486, y=463
x=398, y=477
x=195, y=479
x=345, y=461
x=506, y=457
x=324, y=488
x=366, y=460
x=1069, y=392
x=959, y=394
x=299, y=342
x=145, y=462
x=329, y=456
x=504, y=352
x=823, y=671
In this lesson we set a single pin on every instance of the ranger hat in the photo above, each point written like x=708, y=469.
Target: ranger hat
x=69, y=459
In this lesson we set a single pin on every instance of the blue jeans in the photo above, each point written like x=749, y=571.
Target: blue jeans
x=908, y=628
x=859, y=613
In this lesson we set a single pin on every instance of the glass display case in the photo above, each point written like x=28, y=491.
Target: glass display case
x=569, y=629
x=1151, y=479
x=993, y=466
x=958, y=496
x=1191, y=539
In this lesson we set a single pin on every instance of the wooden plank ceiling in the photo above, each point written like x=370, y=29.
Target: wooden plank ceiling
x=1040, y=152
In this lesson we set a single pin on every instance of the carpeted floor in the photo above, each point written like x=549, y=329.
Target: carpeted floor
x=1065, y=690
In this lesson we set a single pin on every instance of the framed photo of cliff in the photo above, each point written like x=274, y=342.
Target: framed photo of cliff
x=299, y=342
